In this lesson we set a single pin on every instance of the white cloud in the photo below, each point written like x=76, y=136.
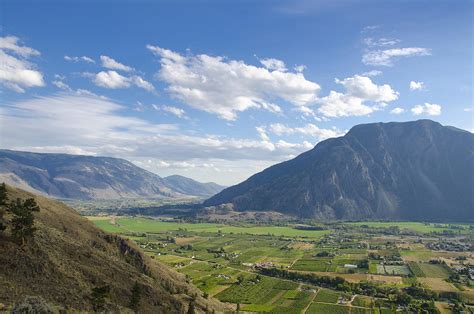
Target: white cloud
x=274, y=64
x=180, y=113
x=226, y=87
x=359, y=91
x=386, y=57
x=114, y=80
x=61, y=85
x=78, y=59
x=109, y=63
x=111, y=79
x=262, y=133
x=363, y=87
x=300, y=68
x=16, y=72
x=56, y=124
x=467, y=109
x=11, y=44
x=309, y=129
x=140, y=82
x=381, y=42
x=397, y=110
x=372, y=73
x=416, y=85
x=428, y=109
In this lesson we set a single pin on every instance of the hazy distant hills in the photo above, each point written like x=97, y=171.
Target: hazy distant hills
x=88, y=177
x=192, y=187
x=417, y=170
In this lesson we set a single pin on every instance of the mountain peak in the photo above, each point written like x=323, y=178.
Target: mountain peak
x=408, y=170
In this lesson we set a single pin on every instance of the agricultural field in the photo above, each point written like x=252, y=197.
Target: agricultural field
x=278, y=269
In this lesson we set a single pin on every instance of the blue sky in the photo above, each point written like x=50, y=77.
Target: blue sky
x=218, y=90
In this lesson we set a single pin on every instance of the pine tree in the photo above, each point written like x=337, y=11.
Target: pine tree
x=136, y=297
x=3, y=206
x=23, y=219
x=98, y=296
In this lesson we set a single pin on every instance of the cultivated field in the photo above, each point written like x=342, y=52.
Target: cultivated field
x=225, y=261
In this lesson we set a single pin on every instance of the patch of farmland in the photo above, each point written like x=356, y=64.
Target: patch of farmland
x=321, y=265
x=434, y=270
x=400, y=270
x=416, y=255
x=437, y=284
x=362, y=301
x=318, y=308
x=250, y=292
x=383, y=279
x=293, y=305
x=172, y=259
x=327, y=296
x=416, y=269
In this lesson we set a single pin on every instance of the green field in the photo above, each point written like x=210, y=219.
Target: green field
x=319, y=308
x=123, y=225
x=413, y=226
x=223, y=260
x=327, y=296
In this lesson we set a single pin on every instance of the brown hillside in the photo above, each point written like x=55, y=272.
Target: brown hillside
x=69, y=256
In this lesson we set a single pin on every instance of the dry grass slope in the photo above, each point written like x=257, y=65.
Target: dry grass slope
x=69, y=256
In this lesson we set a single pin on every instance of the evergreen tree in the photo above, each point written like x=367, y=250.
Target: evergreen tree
x=98, y=296
x=23, y=218
x=136, y=297
x=3, y=206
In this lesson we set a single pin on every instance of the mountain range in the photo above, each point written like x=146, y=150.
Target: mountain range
x=417, y=170
x=89, y=177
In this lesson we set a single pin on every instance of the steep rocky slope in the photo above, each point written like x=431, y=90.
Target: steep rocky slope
x=417, y=170
x=88, y=177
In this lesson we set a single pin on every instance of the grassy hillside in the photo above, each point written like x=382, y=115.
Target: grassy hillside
x=69, y=256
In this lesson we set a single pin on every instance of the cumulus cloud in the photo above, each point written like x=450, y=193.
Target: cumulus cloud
x=300, y=68
x=79, y=59
x=56, y=124
x=361, y=97
x=386, y=57
x=416, y=85
x=309, y=129
x=274, y=64
x=61, y=85
x=180, y=113
x=16, y=72
x=113, y=80
x=427, y=108
x=225, y=87
x=397, y=110
x=109, y=63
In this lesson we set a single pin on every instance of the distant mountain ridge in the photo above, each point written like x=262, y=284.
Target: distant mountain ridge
x=189, y=186
x=89, y=177
x=416, y=170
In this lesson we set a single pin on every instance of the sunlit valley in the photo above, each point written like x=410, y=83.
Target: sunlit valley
x=236, y=157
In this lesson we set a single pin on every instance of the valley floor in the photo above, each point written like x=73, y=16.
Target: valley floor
x=231, y=262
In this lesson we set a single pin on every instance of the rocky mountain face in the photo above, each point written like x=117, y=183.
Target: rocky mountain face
x=417, y=170
x=88, y=177
x=69, y=256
